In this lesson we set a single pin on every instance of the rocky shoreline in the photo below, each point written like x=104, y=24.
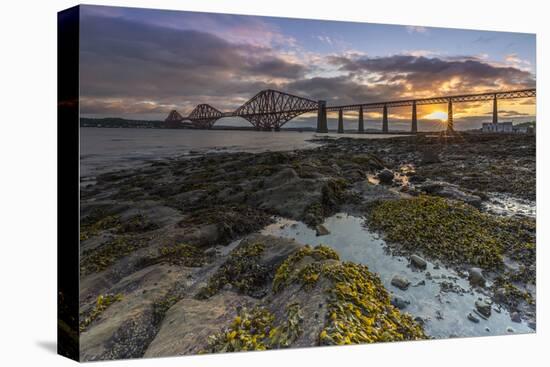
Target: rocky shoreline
x=172, y=262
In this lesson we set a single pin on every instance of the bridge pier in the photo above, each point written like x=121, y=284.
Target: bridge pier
x=361, y=127
x=322, y=117
x=414, y=123
x=385, y=119
x=495, y=110
x=450, y=123
x=340, y=121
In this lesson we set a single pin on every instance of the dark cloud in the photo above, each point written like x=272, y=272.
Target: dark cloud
x=128, y=59
x=342, y=90
x=424, y=73
x=509, y=113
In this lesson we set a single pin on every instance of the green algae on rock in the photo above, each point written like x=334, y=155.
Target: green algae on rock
x=100, y=258
x=257, y=329
x=453, y=232
x=180, y=254
x=242, y=270
x=231, y=221
x=284, y=273
x=359, y=306
x=102, y=303
x=90, y=228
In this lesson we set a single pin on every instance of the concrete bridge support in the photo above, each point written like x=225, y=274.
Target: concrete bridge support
x=495, y=110
x=322, y=117
x=450, y=123
x=340, y=121
x=385, y=119
x=414, y=124
x=361, y=127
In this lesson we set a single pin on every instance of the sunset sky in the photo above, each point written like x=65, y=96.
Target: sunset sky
x=138, y=63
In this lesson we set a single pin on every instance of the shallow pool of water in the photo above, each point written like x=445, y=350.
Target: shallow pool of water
x=444, y=312
x=503, y=204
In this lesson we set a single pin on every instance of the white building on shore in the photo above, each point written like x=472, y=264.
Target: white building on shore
x=506, y=127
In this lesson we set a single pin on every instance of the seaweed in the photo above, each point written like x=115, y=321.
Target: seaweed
x=100, y=258
x=285, y=273
x=454, y=232
x=256, y=329
x=243, y=270
x=102, y=303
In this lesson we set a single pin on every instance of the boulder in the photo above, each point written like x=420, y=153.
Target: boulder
x=430, y=157
x=449, y=191
x=400, y=282
x=399, y=302
x=418, y=262
x=321, y=230
x=483, y=307
x=515, y=317
x=475, y=276
x=385, y=176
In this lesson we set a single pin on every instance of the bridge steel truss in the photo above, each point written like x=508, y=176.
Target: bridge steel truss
x=271, y=109
x=449, y=100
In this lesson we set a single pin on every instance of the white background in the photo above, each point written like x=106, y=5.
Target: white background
x=28, y=181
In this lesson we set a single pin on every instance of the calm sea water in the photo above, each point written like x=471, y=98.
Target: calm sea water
x=103, y=150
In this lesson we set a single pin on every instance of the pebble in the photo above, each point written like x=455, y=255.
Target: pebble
x=399, y=302
x=321, y=230
x=473, y=318
x=515, y=316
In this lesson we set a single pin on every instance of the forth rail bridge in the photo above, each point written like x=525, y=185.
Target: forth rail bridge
x=271, y=109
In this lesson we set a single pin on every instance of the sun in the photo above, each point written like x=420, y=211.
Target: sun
x=437, y=115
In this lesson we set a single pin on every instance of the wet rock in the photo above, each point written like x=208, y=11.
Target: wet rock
x=187, y=324
x=532, y=325
x=400, y=282
x=483, y=307
x=417, y=179
x=473, y=318
x=450, y=191
x=385, y=176
x=515, y=317
x=321, y=230
x=418, y=262
x=475, y=276
x=399, y=302
x=283, y=176
x=510, y=330
x=419, y=320
x=430, y=157
x=210, y=251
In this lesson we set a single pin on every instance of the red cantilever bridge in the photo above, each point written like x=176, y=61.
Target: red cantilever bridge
x=271, y=109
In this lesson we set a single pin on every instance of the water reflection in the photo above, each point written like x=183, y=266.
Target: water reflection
x=438, y=295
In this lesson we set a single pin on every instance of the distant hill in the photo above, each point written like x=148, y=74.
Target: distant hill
x=115, y=122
